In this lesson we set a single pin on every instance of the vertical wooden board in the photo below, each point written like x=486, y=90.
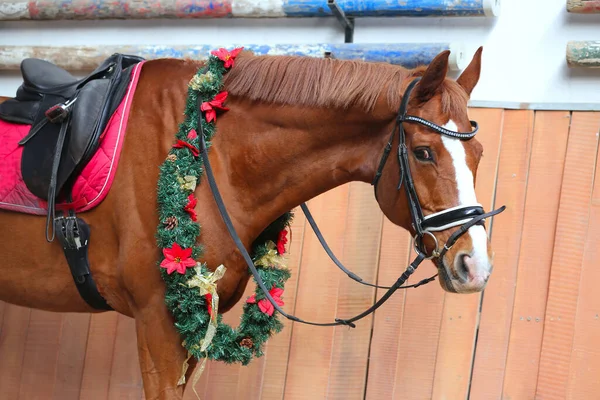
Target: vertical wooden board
x=461, y=312
x=99, y=356
x=395, y=250
x=565, y=273
x=494, y=327
x=535, y=257
x=418, y=337
x=12, y=349
x=278, y=348
x=311, y=346
x=41, y=353
x=350, y=353
x=125, y=374
x=585, y=360
x=200, y=386
x=71, y=356
x=2, y=307
x=223, y=380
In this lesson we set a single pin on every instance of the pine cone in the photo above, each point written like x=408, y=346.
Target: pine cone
x=172, y=157
x=170, y=223
x=247, y=343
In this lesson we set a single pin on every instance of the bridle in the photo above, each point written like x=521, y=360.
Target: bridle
x=463, y=216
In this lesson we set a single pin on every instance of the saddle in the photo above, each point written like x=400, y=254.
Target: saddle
x=67, y=117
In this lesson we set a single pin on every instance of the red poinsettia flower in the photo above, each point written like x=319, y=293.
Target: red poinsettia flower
x=192, y=134
x=281, y=241
x=190, y=207
x=208, y=297
x=210, y=107
x=265, y=305
x=181, y=144
x=227, y=56
x=177, y=259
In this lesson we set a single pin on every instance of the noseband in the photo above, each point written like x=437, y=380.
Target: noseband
x=463, y=216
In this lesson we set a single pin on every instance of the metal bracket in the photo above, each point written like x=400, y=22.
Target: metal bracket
x=346, y=22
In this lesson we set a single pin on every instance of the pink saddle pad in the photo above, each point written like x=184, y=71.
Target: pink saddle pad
x=91, y=186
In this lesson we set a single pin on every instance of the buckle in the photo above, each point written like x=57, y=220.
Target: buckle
x=58, y=113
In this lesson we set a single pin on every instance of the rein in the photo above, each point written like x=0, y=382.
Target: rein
x=464, y=216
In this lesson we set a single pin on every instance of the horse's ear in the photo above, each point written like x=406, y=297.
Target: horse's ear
x=470, y=76
x=433, y=77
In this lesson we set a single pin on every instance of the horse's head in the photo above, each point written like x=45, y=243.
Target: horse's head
x=443, y=170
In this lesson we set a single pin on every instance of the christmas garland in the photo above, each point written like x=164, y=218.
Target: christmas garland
x=191, y=293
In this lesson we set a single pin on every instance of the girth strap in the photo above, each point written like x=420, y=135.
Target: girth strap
x=74, y=236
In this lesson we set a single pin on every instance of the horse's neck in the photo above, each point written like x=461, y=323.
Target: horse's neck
x=274, y=158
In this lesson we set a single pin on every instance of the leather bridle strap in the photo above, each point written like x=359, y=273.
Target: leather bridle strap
x=240, y=246
x=341, y=266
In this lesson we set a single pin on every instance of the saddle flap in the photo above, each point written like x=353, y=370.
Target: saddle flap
x=87, y=119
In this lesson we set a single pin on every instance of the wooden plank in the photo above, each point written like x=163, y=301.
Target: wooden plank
x=125, y=374
x=583, y=6
x=583, y=54
x=87, y=58
x=350, y=353
x=418, y=337
x=223, y=380
x=311, y=346
x=2, y=308
x=41, y=354
x=494, y=328
x=394, y=255
x=71, y=356
x=585, y=359
x=99, y=356
x=461, y=312
x=12, y=349
x=535, y=257
x=278, y=350
x=571, y=228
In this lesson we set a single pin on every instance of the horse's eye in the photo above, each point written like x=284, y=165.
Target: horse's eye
x=423, y=154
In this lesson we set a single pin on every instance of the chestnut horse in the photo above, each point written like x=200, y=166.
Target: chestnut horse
x=296, y=127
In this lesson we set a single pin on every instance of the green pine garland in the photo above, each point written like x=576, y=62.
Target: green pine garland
x=179, y=174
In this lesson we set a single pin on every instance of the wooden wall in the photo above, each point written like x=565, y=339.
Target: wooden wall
x=537, y=334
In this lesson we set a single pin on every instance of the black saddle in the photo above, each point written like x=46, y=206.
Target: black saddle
x=67, y=115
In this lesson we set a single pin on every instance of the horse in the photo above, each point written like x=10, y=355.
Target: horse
x=295, y=127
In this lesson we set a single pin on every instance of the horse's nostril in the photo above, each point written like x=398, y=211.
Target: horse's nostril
x=462, y=268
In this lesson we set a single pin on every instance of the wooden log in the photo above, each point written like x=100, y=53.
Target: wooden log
x=583, y=6
x=84, y=58
x=583, y=54
x=11, y=10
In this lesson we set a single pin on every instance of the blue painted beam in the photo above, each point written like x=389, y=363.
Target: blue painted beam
x=406, y=8
x=80, y=58
x=11, y=10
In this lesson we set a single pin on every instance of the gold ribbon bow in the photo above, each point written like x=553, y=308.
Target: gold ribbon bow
x=187, y=182
x=207, y=284
x=271, y=258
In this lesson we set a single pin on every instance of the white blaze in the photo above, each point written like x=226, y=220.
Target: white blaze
x=466, y=193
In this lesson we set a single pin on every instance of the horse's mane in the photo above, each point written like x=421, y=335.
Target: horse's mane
x=327, y=82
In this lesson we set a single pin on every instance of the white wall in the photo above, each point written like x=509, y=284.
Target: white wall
x=524, y=56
